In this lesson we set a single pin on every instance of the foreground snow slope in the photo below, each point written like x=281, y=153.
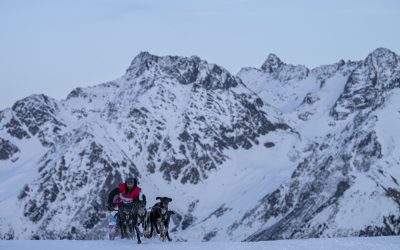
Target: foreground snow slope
x=378, y=243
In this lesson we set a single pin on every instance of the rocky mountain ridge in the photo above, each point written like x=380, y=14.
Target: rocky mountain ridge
x=173, y=116
x=272, y=153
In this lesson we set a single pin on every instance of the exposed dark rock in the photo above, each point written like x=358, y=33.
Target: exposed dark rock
x=394, y=194
x=24, y=192
x=219, y=212
x=8, y=235
x=188, y=220
x=391, y=226
x=272, y=63
x=269, y=144
x=33, y=211
x=173, y=168
x=78, y=92
x=368, y=84
x=36, y=111
x=151, y=167
x=309, y=99
x=14, y=128
x=210, y=235
x=395, y=180
x=370, y=146
x=152, y=149
x=192, y=176
x=7, y=149
x=176, y=220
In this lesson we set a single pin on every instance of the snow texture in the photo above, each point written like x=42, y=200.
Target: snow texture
x=363, y=243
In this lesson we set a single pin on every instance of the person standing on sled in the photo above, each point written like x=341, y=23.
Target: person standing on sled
x=125, y=194
x=126, y=197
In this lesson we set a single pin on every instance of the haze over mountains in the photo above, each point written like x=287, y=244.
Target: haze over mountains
x=276, y=152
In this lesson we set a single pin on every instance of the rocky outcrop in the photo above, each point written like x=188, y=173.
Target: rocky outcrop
x=7, y=149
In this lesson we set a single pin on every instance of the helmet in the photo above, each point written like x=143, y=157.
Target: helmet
x=131, y=181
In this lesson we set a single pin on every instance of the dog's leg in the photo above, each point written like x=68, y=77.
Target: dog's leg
x=169, y=239
x=123, y=232
x=139, y=241
x=144, y=224
x=157, y=230
x=162, y=231
x=146, y=228
x=121, y=226
x=140, y=224
x=151, y=229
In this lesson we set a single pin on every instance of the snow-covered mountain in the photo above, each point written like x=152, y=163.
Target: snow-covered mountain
x=173, y=122
x=348, y=185
x=272, y=153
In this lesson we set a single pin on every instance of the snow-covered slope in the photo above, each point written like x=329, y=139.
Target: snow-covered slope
x=372, y=243
x=273, y=153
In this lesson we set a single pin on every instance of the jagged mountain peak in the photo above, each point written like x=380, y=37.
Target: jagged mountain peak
x=183, y=70
x=144, y=56
x=382, y=57
x=36, y=99
x=378, y=52
x=35, y=108
x=145, y=61
x=369, y=84
x=272, y=63
x=39, y=114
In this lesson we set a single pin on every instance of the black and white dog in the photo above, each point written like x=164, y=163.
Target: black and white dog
x=159, y=218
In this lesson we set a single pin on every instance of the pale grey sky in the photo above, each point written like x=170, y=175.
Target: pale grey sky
x=53, y=46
